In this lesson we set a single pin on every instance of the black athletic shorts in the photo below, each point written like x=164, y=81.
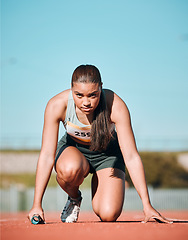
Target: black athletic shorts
x=110, y=158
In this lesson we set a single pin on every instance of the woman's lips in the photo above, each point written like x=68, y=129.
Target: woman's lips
x=86, y=109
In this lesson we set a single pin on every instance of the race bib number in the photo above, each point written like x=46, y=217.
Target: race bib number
x=81, y=133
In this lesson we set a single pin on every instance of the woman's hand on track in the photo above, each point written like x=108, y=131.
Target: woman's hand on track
x=36, y=211
x=151, y=213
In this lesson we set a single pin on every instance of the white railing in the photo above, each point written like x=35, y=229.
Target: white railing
x=14, y=200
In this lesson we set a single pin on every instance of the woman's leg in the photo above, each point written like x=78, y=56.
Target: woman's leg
x=108, y=189
x=71, y=167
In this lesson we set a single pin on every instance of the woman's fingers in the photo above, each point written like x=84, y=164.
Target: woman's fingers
x=161, y=219
x=36, y=211
x=151, y=213
x=158, y=219
x=146, y=219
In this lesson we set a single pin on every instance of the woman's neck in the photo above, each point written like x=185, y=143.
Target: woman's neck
x=84, y=118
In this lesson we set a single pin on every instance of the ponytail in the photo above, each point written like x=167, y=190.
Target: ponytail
x=100, y=128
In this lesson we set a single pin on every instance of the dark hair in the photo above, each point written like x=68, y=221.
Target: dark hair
x=100, y=127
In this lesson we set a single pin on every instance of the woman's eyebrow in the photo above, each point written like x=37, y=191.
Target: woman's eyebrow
x=77, y=92
x=94, y=92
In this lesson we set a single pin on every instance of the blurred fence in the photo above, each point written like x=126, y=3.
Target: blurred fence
x=14, y=200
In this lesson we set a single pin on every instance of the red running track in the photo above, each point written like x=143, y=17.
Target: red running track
x=15, y=226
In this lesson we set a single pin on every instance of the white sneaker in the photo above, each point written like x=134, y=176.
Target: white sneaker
x=71, y=210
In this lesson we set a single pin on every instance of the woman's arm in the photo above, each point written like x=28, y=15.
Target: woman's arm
x=52, y=116
x=121, y=117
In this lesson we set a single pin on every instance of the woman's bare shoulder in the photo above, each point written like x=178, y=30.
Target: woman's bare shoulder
x=60, y=98
x=58, y=104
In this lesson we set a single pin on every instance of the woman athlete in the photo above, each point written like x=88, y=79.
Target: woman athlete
x=99, y=139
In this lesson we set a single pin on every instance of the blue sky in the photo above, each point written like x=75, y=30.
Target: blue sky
x=140, y=48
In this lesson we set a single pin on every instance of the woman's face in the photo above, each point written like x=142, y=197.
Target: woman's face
x=86, y=96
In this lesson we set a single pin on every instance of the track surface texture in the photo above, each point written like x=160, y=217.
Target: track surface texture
x=16, y=226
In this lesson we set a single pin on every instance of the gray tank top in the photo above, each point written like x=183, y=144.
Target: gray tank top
x=73, y=126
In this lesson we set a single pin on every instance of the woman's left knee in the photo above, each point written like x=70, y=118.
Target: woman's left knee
x=108, y=214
